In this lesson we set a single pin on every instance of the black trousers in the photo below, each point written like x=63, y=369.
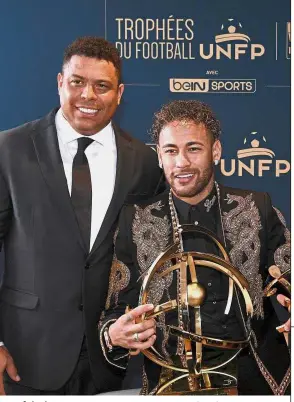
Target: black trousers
x=79, y=383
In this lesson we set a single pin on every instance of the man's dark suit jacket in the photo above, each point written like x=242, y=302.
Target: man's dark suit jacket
x=53, y=289
x=256, y=238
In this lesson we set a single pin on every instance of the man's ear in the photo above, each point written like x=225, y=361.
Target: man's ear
x=216, y=151
x=59, y=80
x=121, y=88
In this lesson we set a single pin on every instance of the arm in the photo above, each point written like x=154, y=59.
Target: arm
x=5, y=209
x=6, y=361
x=118, y=324
x=278, y=254
x=278, y=237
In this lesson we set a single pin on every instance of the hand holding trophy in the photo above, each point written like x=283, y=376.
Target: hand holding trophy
x=280, y=280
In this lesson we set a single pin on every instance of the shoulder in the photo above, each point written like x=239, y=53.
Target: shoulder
x=20, y=134
x=158, y=202
x=138, y=145
x=247, y=199
x=256, y=195
x=160, y=199
x=16, y=133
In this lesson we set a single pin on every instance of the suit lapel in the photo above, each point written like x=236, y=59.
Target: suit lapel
x=47, y=149
x=124, y=169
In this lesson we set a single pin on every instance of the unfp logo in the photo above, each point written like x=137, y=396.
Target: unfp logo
x=254, y=159
x=231, y=43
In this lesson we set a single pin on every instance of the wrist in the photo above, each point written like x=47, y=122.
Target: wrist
x=110, y=335
x=107, y=339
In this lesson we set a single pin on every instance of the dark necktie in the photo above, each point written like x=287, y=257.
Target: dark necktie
x=81, y=192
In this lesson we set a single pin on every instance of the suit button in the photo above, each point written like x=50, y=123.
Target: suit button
x=87, y=266
x=81, y=307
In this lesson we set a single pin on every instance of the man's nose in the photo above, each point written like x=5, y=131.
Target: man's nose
x=88, y=92
x=182, y=160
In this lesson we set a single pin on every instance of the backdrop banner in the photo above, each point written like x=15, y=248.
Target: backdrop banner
x=233, y=55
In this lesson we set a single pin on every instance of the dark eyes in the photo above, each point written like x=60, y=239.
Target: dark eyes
x=99, y=86
x=194, y=149
x=170, y=151
x=190, y=149
x=76, y=82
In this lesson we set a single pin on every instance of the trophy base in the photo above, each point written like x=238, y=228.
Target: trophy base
x=209, y=383
x=207, y=391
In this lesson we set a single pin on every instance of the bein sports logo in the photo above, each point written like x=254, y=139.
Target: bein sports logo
x=227, y=44
x=253, y=159
x=215, y=85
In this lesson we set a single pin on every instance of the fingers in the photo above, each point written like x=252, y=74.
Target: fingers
x=142, y=336
x=6, y=363
x=11, y=370
x=138, y=311
x=287, y=326
x=142, y=345
x=139, y=333
x=146, y=334
x=134, y=352
x=284, y=327
x=142, y=326
x=284, y=301
x=2, y=391
x=126, y=333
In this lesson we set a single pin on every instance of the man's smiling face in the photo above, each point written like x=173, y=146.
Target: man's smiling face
x=187, y=151
x=89, y=93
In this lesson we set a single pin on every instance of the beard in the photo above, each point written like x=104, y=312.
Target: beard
x=197, y=186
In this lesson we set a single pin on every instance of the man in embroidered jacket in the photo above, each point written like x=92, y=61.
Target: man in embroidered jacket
x=252, y=230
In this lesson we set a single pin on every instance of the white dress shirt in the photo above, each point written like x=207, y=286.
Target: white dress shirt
x=102, y=158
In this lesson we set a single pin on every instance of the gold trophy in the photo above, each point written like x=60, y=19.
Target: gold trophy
x=187, y=373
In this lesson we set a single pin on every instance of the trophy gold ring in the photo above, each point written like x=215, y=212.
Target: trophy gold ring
x=190, y=298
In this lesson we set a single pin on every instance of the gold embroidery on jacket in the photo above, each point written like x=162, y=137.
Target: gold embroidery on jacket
x=151, y=236
x=119, y=278
x=242, y=226
x=282, y=255
x=145, y=385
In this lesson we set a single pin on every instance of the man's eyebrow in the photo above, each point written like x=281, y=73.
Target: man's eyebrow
x=77, y=76
x=193, y=143
x=169, y=146
x=187, y=145
x=83, y=78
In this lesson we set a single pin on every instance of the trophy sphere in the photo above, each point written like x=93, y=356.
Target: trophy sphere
x=196, y=294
